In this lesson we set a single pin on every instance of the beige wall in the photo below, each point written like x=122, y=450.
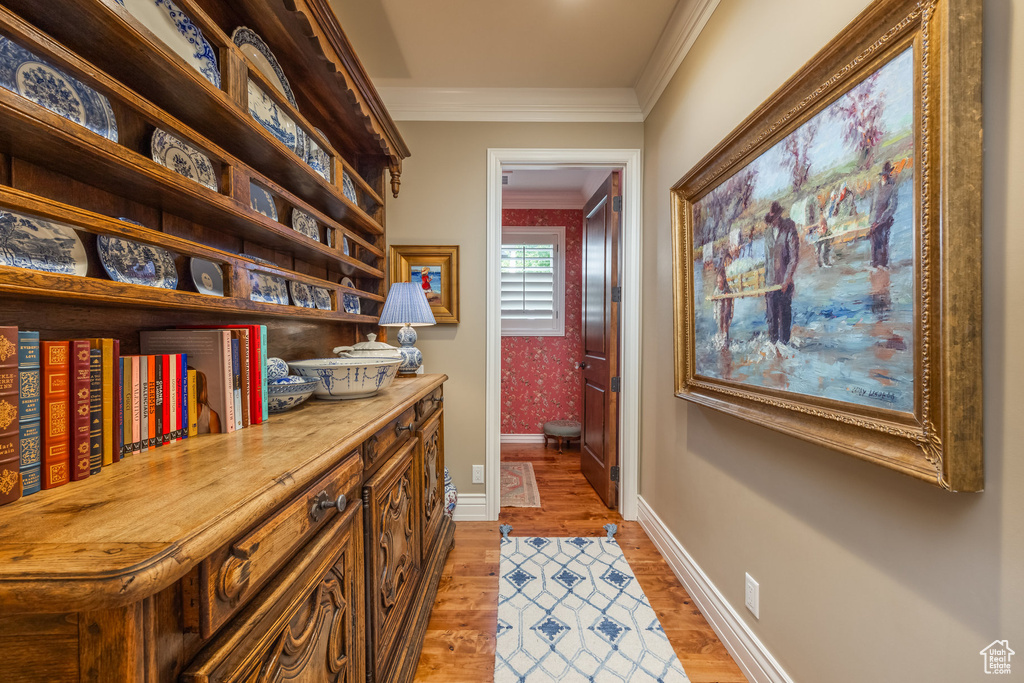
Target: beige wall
x=865, y=575
x=443, y=201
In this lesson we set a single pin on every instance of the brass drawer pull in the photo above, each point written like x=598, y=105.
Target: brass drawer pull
x=399, y=429
x=322, y=503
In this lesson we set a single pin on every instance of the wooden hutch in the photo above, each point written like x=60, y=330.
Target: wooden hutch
x=305, y=548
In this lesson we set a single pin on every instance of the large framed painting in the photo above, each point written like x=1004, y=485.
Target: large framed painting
x=827, y=253
x=436, y=269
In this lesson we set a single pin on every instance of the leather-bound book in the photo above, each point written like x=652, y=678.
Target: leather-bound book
x=10, y=453
x=95, y=411
x=80, y=399
x=117, y=439
x=108, y=396
x=30, y=393
x=56, y=414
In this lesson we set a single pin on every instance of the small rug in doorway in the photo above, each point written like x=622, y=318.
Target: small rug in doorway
x=570, y=609
x=519, y=485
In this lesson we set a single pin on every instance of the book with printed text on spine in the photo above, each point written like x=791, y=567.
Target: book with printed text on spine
x=10, y=452
x=56, y=414
x=80, y=399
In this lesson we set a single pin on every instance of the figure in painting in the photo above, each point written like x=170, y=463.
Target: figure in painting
x=723, y=308
x=883, y=210
x=782, y=252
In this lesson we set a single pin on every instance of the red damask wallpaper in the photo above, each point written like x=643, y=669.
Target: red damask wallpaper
x=539, y=381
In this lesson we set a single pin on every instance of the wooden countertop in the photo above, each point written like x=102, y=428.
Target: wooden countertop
x=143, y=523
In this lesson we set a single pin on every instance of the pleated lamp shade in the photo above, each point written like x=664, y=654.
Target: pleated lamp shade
x=406, y=305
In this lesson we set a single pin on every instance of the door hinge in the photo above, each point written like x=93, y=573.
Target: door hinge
x=615, y=473
x=616, y=295
x=615, y=383
x=617, y=203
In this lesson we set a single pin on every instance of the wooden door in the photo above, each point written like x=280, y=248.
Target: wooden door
x=600, y=407
x=306, y=626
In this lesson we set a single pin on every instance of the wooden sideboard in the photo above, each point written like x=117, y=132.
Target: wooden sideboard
x=231, y=558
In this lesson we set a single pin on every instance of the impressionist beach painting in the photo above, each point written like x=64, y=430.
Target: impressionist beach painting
x=804, y=259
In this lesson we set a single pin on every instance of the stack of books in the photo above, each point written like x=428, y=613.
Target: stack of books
x=70, y=408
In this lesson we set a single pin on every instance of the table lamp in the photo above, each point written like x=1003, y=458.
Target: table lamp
x=406, y=307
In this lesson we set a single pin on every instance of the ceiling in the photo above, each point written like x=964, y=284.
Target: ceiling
x=481, y=59
x=566, y=187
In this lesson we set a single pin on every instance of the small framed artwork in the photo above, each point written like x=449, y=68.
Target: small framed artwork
x=827, y=253
x=436, y=268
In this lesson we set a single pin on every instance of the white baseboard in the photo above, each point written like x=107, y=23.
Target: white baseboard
x=472, y=507
x=522, y=438
x=758, y=665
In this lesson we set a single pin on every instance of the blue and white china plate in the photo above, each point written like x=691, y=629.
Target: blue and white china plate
x=350, y=301
x=182, y=158
x=27, y=75
x=257, y=259
x=302, y=294
x=172, y=26
x=322, y=298
x=207, y=277
x=316, y=158
x=135, y=263
x=286, y=395
x=38, y=244
x=267, y=289
x=253, y=47
x=262, y=201
x=348, y=188
x=266, y=112
x=304, y=224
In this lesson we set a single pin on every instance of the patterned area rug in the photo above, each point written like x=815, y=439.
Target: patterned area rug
x=570, y=609
x=519, y=485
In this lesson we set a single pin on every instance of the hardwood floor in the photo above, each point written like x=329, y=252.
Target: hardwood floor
x=459, y=644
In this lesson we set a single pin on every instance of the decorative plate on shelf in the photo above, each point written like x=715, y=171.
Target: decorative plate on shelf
x=304, y=224
x=24, y=73
x=207, y=277
x=348, y=188
x=253, y=47
x=38, y=244
x=262, y=201
x=302, y=294
x=316, y=158
x=279, y=124
x=182, y=158
x=135, y=263
x=257, y=259
x=172, y=26
x=350, y=301
x=267, y=289
x=322, y=297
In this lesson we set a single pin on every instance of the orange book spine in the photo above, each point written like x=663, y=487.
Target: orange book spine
x=56, y=427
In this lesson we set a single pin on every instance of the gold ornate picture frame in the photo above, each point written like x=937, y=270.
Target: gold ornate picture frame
x=827, y=253
x=437, y=269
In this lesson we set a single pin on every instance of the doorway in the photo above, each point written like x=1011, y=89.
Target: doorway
x=627, y=165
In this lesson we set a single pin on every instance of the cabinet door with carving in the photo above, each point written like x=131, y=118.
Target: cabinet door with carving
x=431, y=476
x=306, y=626
x=392, y=498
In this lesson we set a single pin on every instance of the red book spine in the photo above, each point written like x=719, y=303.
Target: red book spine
x=168, y=381
x=80, y=377
x=55, y=414
x=10, y=445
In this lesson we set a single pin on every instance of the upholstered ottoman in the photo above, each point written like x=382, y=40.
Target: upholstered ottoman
x=562, y=430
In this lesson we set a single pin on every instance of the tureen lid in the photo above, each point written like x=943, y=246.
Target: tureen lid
x=373, y=344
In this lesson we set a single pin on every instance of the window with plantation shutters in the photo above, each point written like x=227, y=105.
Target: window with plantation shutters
x=532, y=281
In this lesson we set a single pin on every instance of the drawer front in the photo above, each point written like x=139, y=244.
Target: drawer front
x=429, y=404
x=378, y=446
x=230, y=576
x=431, y=476
x=392, y=499
x=307, y=623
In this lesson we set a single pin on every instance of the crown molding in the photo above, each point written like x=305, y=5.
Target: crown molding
x=684, y=25
x=541, y=199
x=608, y=105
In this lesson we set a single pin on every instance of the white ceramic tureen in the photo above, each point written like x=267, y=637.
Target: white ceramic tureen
x=368, y=349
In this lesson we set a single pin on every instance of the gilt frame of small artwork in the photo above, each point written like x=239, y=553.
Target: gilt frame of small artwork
x=827, y=253
x=437, y=269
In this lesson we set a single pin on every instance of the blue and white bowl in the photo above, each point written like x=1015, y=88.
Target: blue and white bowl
x=344, y=378
x=286, y=395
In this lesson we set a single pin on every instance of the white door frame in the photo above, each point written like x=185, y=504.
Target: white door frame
x=629, y=279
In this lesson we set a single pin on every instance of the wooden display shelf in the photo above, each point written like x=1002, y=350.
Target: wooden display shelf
x=142, y=61
x=86, y=547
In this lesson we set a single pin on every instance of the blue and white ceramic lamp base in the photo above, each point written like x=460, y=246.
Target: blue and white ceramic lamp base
x=412, y=358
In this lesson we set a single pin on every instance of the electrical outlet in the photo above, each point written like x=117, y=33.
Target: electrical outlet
x=478, y=474
x=752, y=596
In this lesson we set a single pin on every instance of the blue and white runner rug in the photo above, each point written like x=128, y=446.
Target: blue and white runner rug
x=570, y=609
